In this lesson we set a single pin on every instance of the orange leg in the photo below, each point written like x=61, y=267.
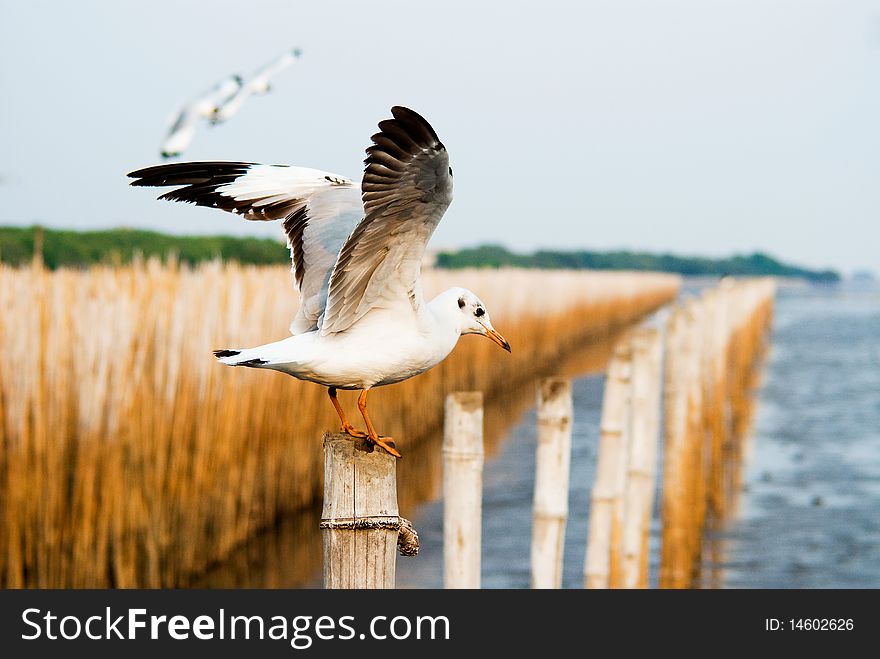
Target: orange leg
x=346, y=426
x=384, y=442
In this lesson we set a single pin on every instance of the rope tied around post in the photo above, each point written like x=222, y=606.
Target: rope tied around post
x=407, y=538
x=360, y=522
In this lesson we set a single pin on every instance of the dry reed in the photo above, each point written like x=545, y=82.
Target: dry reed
x=129, y=458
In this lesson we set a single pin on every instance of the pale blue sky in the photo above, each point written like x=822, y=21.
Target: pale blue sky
x=696, y=126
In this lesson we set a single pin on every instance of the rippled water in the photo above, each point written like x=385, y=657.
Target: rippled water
x=809, y=516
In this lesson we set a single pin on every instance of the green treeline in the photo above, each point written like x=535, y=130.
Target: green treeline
x=495, y=256
x=80, y=248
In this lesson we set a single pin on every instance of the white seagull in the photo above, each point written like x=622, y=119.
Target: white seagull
x=363, y=321
x=185, y=122
x=256, y=84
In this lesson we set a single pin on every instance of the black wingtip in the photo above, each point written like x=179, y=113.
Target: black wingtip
x=226, y=353
x=409, y=117
x=252, y=362
x=400, y=139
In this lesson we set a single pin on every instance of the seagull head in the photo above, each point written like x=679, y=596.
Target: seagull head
x=474, y=319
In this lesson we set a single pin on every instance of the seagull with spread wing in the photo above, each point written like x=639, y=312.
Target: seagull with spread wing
x=258, y=83
x=363, y=321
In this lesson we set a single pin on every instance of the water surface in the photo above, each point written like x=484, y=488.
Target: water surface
x=809, y=516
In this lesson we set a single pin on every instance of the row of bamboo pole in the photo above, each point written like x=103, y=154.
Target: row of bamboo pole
x=463, y=485
x=623, y=492
x=699, y=375
x=712, y=346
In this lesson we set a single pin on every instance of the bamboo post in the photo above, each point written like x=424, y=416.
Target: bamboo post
x=552, y=460
x=675, y=404
x=716, y=409
x=603, y=538
x=642, y=456
x=697, y=450
x=462, y=489
x=360, y=521
x=712, y=349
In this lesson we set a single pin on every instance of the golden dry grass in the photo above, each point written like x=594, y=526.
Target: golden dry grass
x=131, y=459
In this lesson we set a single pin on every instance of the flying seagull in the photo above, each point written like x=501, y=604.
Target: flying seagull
x=363, y=321
x=256, y=84
x=183, y=127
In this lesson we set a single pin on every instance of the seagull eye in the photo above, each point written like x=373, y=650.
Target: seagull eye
x=450, y=171
x=479, y=312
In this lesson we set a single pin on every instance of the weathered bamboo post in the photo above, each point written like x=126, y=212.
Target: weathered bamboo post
x=715, y=437
x=603, y=539
x=711, y=352
x=462, y=489
x=360, y=522
x=552, y=460
x=675, y=477
x=652, y=422
x=641, y=467
x=697, y=448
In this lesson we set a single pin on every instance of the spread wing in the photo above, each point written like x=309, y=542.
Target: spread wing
x=258, y=83
x=319, y=211
x=406, y=189
x=181, y=133
x=276, y=66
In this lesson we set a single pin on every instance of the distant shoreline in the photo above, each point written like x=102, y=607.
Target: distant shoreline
x=68, y=248
x=750, y=265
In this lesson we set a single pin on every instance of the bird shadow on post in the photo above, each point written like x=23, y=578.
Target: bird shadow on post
x=360, y=523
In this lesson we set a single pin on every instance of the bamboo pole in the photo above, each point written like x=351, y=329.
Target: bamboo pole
x=552, y=460
x=675, y=403
x=360, y=521
x=603, y=540
x=462, y=489
x=712, y=351
x=642, y=456
x=697, y=447
x=652, y=423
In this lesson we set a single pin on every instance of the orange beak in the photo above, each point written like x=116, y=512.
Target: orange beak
x=497, y=338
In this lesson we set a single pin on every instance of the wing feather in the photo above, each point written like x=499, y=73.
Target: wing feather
x=406, y=189
x=319, y=211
